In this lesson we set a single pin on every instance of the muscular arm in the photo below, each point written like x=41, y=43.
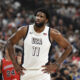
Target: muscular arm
x=0, y=66
x=21, y=32
x=62, y=42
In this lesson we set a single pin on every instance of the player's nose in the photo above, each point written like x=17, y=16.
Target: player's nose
x=37, y=18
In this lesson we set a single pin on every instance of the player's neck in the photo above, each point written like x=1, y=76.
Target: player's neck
x=39, y=29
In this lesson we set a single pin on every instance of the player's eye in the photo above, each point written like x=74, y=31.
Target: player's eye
x=41, y=16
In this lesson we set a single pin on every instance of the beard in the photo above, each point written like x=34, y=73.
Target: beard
x=39, y=25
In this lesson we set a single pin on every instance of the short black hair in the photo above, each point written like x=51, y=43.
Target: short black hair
x=45, y=11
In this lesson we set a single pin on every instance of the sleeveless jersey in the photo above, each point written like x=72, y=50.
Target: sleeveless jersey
x=36, y=48
x=8, y=71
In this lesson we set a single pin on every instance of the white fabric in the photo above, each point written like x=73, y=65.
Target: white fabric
x=1, y=56
x=36, y=49
x=35, y=75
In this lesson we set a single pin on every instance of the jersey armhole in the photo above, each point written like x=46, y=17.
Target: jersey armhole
x=26, y=32
x=49, y=35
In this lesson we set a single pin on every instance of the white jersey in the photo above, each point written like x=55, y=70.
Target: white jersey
x=36, y=48
x=1, y=55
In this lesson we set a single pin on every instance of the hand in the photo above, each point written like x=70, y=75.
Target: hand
x=50, y=68
x=19, y=69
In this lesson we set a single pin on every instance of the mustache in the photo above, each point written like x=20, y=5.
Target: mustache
x=40, y=24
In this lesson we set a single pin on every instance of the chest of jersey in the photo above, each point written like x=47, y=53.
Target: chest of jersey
x=36, y=47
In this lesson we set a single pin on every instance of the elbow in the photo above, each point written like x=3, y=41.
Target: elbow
x=8, y=44
x=70, y=48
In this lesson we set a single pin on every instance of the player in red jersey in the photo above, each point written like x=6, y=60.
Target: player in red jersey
x=8, y=71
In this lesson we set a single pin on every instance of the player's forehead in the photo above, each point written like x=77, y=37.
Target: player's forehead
x=40, y=13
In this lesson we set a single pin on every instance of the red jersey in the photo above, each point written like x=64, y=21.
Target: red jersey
x=8, y=71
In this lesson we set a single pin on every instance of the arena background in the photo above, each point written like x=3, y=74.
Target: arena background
x=65, y=16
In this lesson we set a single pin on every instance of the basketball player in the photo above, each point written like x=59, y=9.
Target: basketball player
x=37, y=42
x=7, y=68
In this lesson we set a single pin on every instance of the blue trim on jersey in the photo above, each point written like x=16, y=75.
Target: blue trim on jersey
x=23, y=46
x=49, y=35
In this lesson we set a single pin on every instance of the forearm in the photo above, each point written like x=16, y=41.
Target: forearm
x=0, y=67
x=11, y=52
x=64, y=55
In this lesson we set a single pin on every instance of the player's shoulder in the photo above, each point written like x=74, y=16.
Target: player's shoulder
x=21, y=32
x=55, y=34
x=22, y=28
x=54, y=31
x=25, y=27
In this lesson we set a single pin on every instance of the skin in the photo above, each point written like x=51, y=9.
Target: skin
x=0, y=67
x=54, y=36
x=7, y=57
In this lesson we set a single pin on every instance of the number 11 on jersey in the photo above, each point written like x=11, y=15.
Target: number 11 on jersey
x=36, y=51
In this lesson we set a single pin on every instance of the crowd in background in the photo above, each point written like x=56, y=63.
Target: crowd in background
x=65, y=16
